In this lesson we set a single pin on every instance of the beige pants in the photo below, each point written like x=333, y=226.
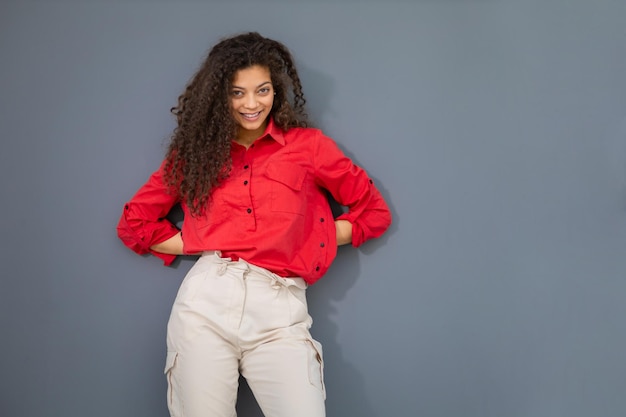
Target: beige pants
x=234, y=317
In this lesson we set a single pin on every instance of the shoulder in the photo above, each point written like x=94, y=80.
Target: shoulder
x=306, y=136
x=302, y=132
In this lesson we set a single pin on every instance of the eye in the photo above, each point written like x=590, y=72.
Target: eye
x=237, y=93
x=264, y=91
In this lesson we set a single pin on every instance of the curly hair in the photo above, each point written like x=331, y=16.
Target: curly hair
x=198, y=157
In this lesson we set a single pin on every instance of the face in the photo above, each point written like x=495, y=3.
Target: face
x=251, y=100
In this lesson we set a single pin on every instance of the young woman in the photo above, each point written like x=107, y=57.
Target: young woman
x=252, y=180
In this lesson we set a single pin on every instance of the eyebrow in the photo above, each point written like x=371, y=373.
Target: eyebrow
x=258, y=86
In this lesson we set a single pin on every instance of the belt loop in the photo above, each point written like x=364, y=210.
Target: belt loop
x=246, y=268
x=275, y=284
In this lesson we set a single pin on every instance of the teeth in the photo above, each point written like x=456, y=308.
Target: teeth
x=250, y=116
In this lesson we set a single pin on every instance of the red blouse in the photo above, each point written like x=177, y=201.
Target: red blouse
x=272, y=211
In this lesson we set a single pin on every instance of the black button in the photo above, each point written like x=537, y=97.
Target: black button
x=245, y=167
x=126, y=207
x=249, y=210
x=371, y=182
x=245, y=183
x=322, y=220
x=322, y=245
x=317, y=268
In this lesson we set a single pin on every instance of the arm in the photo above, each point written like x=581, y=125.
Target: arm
x=350, y=185
x=171, y=246
x=142, y=226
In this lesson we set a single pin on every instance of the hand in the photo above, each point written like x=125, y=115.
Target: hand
x=344, y=232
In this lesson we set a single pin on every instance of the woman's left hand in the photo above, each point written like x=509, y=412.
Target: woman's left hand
x=344, y=232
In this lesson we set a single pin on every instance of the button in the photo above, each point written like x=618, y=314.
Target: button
x=317, y=268
x=322, y=245
x=249, y=210
x=371, y=182
x=245, y=167
x=322, y=220
x=245, y=183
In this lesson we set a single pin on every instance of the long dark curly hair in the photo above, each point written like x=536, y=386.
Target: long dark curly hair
x=198, y=157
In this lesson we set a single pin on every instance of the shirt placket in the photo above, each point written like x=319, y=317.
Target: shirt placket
x=245, y=185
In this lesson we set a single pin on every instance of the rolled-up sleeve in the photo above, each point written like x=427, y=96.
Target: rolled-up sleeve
x=352, y=187
x=143, y=223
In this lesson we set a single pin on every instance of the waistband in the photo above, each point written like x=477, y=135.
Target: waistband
x=216, y=257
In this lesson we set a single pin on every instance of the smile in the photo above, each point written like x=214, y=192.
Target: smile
x=251, y=116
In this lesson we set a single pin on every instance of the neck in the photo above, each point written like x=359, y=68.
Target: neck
x=246, y=140
x=248, y=137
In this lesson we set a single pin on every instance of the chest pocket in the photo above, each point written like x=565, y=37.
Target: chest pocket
x=287, y=188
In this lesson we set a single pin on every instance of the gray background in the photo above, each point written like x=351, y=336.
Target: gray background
x=495, y=129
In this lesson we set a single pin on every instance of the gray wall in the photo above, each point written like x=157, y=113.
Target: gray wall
x=495, y=129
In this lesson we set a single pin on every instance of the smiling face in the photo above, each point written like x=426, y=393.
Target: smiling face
x=251, y=100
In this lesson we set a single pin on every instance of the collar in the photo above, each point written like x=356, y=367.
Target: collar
x=274, y=132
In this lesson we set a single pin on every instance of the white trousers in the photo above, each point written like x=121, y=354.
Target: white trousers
x=234, y=317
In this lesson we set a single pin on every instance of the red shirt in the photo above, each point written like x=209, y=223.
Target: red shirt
x=272, y=211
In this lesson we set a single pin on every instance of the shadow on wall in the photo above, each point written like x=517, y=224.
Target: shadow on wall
x=345, y=384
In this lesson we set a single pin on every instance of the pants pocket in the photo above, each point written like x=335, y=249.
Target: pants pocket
x=316, y=365
x=173, y=403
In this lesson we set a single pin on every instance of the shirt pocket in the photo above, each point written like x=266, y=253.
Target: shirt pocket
x=287, y=188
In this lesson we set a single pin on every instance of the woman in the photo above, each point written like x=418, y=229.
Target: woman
x=252, y=180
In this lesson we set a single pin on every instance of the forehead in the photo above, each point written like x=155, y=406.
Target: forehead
x=251, y=77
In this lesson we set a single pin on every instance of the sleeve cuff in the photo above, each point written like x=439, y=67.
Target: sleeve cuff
x=166, y=258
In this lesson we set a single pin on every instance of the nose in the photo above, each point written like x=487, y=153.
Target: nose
x=250, y=101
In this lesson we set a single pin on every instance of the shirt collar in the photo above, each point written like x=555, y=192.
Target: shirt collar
x=274, y=132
